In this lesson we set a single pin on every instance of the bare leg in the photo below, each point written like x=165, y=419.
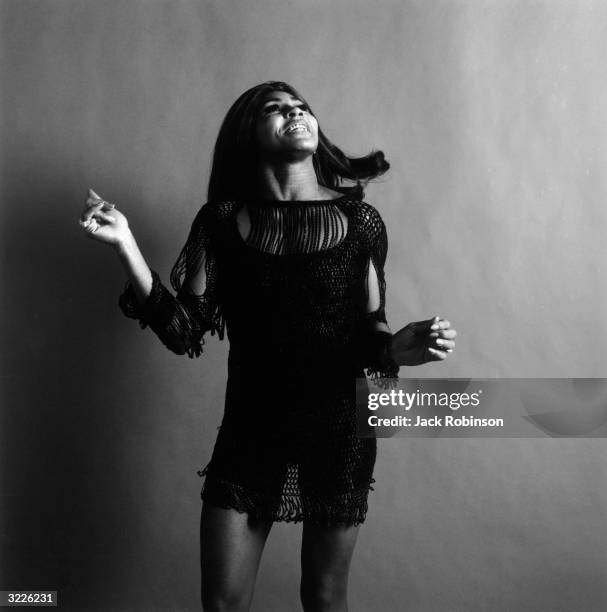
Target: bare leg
x=326, y=553
x=230, y=550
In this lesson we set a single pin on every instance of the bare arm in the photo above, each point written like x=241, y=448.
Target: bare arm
x=136, y=267
x=180, y=321
x=102, y=221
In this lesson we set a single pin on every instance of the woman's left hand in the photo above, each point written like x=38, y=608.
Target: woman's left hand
x=423, y=341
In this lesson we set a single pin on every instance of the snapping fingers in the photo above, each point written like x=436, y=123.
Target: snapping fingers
x=442, y=344
x=93, y=204
x=436, y=355
x=97, y=219
x=447, y=334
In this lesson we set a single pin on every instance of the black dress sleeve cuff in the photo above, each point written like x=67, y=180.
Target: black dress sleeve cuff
x=144, y=313
x=381, y=364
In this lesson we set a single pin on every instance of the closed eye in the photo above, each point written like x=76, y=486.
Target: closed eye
x=273, y=108
x=270, y=108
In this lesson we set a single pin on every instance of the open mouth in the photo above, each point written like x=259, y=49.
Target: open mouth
x=296, y=127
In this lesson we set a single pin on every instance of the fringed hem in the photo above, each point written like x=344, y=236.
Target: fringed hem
x=348, y=509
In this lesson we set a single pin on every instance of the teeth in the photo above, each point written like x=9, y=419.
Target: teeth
x=297, y=126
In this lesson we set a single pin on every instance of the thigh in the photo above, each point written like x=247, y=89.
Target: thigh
x=326, y=553
x=231, y=544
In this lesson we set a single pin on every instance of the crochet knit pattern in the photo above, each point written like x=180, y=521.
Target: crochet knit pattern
x=290, y=282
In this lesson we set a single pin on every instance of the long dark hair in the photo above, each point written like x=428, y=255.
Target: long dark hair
x=233, y=174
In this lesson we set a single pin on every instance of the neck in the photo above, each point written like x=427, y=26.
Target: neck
x=293, y=180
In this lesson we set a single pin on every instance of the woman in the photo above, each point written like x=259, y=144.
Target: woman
x=292, y=262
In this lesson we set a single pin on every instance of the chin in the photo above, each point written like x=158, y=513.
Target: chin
x=291, y=153
x=299, y=154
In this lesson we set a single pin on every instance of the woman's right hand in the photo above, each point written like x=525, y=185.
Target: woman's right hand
x=102, y=221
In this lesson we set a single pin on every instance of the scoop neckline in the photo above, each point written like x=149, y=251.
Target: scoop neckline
x=294, y=255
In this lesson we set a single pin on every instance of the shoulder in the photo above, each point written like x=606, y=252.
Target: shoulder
x=365, y=218
x=367, y=214
x=214, y=214
x=356, y=206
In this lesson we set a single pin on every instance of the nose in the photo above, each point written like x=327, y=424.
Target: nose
x=294, y=111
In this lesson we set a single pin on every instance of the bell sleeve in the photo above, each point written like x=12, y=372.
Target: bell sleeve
x=376, y=343
x=180, y=321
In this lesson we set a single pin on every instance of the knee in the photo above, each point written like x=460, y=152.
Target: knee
x=223, y=601
x=323, y=596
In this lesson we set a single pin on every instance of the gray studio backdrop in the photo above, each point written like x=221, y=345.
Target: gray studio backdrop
x=492, y=115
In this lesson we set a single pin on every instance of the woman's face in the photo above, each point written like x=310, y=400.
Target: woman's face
x=285, y=126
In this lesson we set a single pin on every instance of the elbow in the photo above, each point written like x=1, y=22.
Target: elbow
x=178, y=349
x=178, y=345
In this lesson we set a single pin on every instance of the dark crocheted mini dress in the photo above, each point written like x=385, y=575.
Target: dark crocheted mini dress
x=293, y=283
